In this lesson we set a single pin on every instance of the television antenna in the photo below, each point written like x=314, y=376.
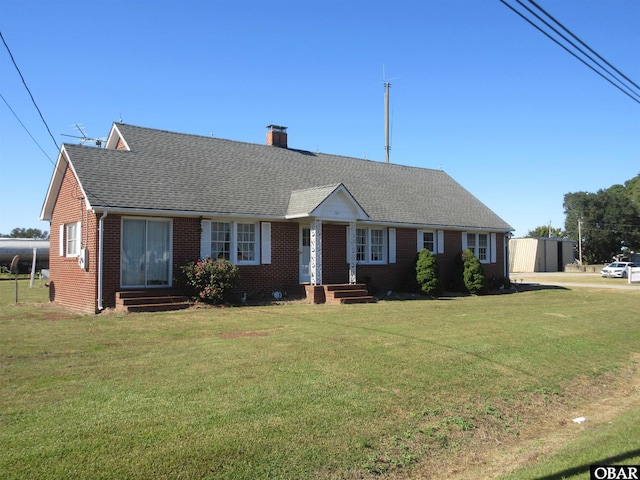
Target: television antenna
x=84, y=138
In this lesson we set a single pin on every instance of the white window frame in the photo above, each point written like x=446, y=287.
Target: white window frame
x=485, y=252
x=225, y=253
x=237, y=239
x=72, y=239
x=247, y=244
x=434, y=241
x=364, y=250
x=438, y=240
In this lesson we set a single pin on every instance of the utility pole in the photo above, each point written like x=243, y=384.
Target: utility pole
x=387, y=147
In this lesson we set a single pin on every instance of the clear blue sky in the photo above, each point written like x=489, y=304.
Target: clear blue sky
x=476, y=91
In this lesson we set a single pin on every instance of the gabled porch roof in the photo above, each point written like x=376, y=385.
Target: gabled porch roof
x=331, y=202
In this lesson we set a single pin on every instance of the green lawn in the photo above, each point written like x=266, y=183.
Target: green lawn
x=297, y=390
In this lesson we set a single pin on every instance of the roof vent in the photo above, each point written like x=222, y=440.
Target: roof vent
x=277, y=136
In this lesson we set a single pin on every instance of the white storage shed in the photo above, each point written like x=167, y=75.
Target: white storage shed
x=528, y=255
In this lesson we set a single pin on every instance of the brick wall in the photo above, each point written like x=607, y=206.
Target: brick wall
x=392, y=276
x=111, y=259
x=335, y=268
x=186, y=241
x=453, y=247
x=70, y=285
x=447, y=260
x=283, y=273
x=186, y=248
x=399, y=276
x=76, y=288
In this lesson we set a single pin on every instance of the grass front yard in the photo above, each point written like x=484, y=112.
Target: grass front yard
x=398, y=388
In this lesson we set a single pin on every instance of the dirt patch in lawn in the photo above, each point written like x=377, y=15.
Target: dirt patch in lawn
x=228, y=336
x=39, y=311
x=491, y=439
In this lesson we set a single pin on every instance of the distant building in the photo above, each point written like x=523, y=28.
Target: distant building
x=528, y=255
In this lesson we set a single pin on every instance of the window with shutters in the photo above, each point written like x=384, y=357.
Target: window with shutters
x=72, y=239
x=237, y=242
x=481, y=244
x=371, y=245
x=429, y=241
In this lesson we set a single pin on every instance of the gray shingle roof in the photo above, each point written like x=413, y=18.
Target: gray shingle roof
x=303, y=202
x=189, y=173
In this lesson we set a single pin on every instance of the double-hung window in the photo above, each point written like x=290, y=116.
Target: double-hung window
x=483, y=245
x=432, y=240
x=246, y=241
x=72, y=238
x=429, y=241
x=377, y=245
x=235, y=241
x=371, y=245
x=221, y=240
x=471, y=242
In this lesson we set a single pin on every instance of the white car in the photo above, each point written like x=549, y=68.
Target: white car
x=617, y=269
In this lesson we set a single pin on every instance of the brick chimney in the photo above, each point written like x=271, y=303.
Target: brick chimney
x=277, y=136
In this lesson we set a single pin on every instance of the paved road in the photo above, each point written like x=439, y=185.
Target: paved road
x=561, y=279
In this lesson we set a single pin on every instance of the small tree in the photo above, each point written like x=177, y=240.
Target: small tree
x=212, y=281
x=473, y=273
x=428, y=273
x=546, y=231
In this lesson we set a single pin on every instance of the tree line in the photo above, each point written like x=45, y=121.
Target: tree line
x=35, y=233
x=607, y=221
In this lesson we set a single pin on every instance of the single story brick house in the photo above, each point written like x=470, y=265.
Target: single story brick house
x=127, y=216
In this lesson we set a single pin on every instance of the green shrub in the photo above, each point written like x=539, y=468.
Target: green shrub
x=498, y=283
x=473, y=274
x=211, y=281
x=428, y=273
x=456, y=279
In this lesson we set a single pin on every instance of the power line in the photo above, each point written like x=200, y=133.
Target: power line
x=574, y=45
x=39, y=112
x=583, y=44
x=629, y=93
x=43, y=120
x=29, y=91
x=26, y=129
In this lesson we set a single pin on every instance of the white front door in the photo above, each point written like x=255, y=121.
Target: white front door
x=305, y=254
x=145, y=252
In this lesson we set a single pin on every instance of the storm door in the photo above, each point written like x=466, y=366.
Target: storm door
x=305, y=254
x=146, y=253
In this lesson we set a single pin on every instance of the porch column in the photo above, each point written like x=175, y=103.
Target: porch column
x=315, y=262
x=351, y=251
